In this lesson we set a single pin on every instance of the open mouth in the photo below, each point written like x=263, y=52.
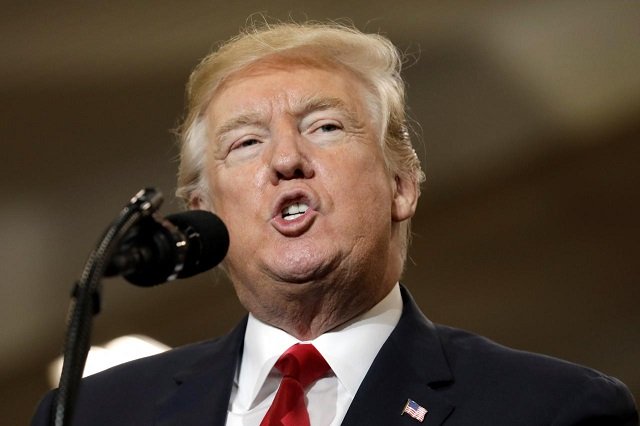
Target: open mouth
x=294, y=211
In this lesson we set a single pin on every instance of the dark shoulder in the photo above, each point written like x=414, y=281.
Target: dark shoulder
x=169, y=366
x=493, y=376
x=146, y=369
x=128, y=393
x=467, y=351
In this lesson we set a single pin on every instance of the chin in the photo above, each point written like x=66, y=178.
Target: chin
x=302, y=268
x=299, y=275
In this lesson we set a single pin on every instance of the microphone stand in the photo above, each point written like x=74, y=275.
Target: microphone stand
x=85, y=302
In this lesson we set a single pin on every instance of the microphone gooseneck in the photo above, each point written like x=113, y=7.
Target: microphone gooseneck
x=147, y=250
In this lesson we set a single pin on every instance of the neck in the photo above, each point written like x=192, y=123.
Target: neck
x=309, y=310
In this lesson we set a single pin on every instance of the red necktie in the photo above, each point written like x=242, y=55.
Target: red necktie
x=300, y=366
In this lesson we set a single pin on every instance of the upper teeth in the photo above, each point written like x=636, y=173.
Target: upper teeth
x=294, y=211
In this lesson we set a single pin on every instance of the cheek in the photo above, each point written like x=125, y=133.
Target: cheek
x=364, y=189
x=367, y=174
x=236, y=196
x=222, y=197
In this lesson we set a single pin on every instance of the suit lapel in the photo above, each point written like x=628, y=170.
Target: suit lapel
x=411, y=364
x=203, y=388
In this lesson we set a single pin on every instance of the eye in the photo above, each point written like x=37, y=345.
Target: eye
x=326, y=127
x=323, y=131
x=245, y=144
x=330, y=127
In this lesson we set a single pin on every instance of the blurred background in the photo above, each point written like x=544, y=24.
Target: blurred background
x=529, y=123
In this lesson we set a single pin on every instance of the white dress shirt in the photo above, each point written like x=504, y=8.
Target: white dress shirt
x=349, y=350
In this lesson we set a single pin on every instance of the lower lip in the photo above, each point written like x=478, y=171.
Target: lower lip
x=294, y=227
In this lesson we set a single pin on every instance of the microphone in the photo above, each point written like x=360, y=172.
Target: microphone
x=179, y=246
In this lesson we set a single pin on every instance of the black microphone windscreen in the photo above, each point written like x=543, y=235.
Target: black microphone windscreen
x=208, y=240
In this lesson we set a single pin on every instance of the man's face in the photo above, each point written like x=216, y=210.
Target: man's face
x=296, y=171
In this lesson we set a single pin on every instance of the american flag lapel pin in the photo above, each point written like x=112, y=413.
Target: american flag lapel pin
x=415, y=410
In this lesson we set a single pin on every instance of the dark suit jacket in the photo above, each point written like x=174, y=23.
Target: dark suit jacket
x=460, y=378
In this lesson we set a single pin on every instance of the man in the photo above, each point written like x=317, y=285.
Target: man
x=295, y=136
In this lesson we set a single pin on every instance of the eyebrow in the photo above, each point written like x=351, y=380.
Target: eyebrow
x=301, y=108
x=310, y=104
x=238, y=121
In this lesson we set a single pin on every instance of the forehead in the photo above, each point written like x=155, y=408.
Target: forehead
x=287, y=85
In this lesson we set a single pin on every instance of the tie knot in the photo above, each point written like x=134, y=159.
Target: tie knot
x=303, y=363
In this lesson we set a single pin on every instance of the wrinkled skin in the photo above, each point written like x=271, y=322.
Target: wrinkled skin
x=283, y=133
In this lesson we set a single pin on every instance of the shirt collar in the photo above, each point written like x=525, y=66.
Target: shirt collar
x=349, y=349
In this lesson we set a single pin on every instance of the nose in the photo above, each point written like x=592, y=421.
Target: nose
x=289, y=158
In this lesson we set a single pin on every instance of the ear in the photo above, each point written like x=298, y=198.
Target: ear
x=405, y=199
x=197, y=202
